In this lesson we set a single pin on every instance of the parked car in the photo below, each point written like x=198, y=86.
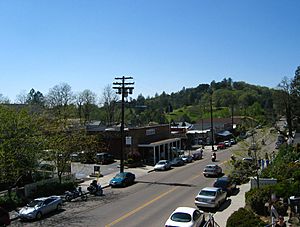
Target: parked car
x=212, y=170
x=186, y=217
x=227, y=143
x=187, y=158
x=226, y=184
x=177, y=162
x=122, y=179
x=221, y=146
x=197, y=154
x=104, y=158
x=210, y=197
x=248, y=159
x=232, y=141
x=37, y=208
x=162, y=165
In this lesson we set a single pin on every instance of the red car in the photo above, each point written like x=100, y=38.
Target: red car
x=221, y=145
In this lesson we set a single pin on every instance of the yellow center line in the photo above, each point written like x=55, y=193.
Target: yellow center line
x=140, y=207
x=150, y=202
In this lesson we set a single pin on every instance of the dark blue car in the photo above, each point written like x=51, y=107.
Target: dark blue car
x=122, y=179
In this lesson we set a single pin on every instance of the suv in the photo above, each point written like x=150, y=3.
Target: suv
x=104, y=158
x=226, y=184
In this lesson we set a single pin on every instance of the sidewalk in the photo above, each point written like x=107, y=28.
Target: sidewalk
x=237, y=201
x=104, y=180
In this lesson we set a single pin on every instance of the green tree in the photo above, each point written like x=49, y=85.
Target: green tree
x=20, y=139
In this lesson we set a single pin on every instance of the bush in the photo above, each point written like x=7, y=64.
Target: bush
x=55, y=188
x=244, y=218
x=257, y=198
x=11, y=203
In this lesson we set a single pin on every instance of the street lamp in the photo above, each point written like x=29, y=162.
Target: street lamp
x=124, y=90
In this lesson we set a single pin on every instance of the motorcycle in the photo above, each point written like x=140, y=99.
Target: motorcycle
x=77, y=192
x=95, y=189
x=213, y=157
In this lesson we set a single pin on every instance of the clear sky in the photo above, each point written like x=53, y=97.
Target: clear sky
x=164, y=45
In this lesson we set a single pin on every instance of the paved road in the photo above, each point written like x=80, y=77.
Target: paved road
x=147, y=203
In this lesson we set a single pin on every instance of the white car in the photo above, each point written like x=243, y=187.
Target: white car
x=210, y=197
x=163, y=165
x=186, y=217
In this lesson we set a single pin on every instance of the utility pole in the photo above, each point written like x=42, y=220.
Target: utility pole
x=123, y=89
x=211, y=123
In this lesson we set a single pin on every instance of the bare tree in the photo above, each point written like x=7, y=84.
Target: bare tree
x=109, y=100
x=59, y=98
x=21, y=98
x=4, y=99
x=286, y=101
x=85, y=100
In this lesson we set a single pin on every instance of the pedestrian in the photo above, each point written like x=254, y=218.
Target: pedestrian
x=280, y=222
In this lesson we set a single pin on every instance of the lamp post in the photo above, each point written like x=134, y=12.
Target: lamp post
x=123, y=90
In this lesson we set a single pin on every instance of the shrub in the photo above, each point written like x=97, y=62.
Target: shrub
x=244, y=218
x=55, y=188
x=257, y=198
x=11, y=203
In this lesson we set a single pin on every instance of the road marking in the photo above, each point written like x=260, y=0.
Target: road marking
x=140, y=207
x=147, y=204
x=150, y=202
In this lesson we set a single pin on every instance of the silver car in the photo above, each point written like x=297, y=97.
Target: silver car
x=212, y=170
x=163, y=165
x=39, y=207
x=210, y=197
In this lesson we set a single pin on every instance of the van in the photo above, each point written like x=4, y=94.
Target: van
x=104, y=158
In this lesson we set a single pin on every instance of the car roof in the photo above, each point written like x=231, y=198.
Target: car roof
x=188, y=210
x=210, y=189
x=211, y=165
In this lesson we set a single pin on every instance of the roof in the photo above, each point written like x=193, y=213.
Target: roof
x=224, y=133
x=189, y=210
x=210, y=189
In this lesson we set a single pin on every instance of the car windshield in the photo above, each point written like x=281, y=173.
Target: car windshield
x=220, y=183
x=120, y=175
x=33, y=203
x=181, y=217
x=161, y=162
x=207, y=193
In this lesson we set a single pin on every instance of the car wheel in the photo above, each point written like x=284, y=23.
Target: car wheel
x=58, y=207
x=39, y=215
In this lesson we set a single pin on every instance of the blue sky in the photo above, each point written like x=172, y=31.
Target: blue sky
x=164, y=45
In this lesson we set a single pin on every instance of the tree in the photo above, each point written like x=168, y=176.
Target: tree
x=295, y=92
x=35, y=98
x=21, y=97
x=85, y=101
x=286, y=101
x=109, y=100
x=64, y=142
x=59, y=99
x=4, y=99
x=20, y=139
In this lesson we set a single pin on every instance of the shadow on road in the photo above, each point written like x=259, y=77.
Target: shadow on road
x=166, y=183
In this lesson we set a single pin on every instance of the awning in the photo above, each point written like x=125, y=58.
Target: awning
x=224, y=133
